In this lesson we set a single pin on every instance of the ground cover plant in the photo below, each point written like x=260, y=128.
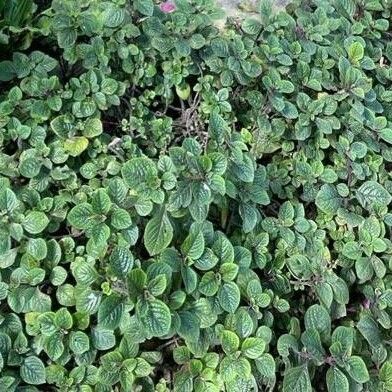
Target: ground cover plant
x=187, y=206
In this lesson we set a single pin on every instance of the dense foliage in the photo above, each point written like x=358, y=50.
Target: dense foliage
x=186, y=207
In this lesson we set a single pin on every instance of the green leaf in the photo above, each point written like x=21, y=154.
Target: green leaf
x=88, y=301
x=80, y=216
x=189, y=278
x=345, y=337
x=248, y=214
x=183, y=91
x=103, y=339
x=356, y=369
x=232, y=367
x=181, y=355
x=110, y=312
x=84, y=273
x=158, y=233
x=189, y=328
x=266, y=10
x=209, y=284
x=138, y=171
x=312, y=342
x=16, y=12
x=229, y=297
x=54, y=346
x=63, y=319
x=371, y=192
x=101, y=202
x=157, y=285
x=35, y=222
x=113, y=16
x=75, y=145
x=32, y=371
x=230, y=342
x=336, y=380
x=217, y=129
x=369, y=330
x=164, y=44
x=386, y=374
x=8, y=200
x=266, y=365
x=297, y=379
x=121, y=261
x=62, y=126
x=197, y=41
x=228, y=271
x=30, y=167
x=145, y=7
x=99, y=233
x=85, y=108
x=328, y=199
x=121, y=219
x=352, y=250
x=143, y=368
x=355, y=52
x=137, y=281
x=154, y=316
x=386, y=298
x=79, y=342
x=386, y=135
x=251, y=26
x=46, y=323
x=244, y=170
x=7, y=71
x=223, y=248
x=289, y=111
x=317, y=317
x=37, y=248
x=144, y=207
x=193, y=246
x=340, y=290
x=253, y=347
x=92, y=127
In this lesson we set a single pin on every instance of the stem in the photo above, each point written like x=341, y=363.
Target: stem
x=302, y=283
x=168, y=343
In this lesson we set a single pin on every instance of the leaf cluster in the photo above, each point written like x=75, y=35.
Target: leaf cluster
x=186, y=207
